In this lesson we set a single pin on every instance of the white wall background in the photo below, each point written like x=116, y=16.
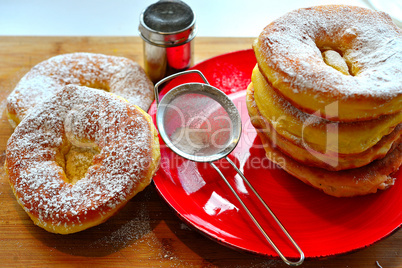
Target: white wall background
x=237, y=18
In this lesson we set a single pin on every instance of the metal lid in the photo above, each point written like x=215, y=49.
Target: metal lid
x=167, y=23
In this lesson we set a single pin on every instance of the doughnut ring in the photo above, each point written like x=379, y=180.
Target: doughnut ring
x=118, y=75
x=366, y=41
x=75, y=118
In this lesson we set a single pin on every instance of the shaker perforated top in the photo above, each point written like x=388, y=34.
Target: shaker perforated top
x=168, y=16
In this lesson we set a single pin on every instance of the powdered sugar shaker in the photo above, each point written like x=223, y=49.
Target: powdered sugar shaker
x=167, y=28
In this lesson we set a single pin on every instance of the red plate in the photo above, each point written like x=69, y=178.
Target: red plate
x=322, y=225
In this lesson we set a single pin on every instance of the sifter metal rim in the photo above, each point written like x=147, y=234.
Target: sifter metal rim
x=215, y=94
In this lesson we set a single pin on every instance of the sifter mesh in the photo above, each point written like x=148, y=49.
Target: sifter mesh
x=198, y=125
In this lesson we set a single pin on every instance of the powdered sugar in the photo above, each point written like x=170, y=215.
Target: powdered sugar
x=115, y=74
x=120, y=131
x=369, y=43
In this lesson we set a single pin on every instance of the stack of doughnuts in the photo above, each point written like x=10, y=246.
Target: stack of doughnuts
x=326, y=97
x=79, y=154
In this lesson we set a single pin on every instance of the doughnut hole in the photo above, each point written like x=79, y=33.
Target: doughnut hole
x=97, y=85
x=77, y=155
x=77, y=162
x=336, y=61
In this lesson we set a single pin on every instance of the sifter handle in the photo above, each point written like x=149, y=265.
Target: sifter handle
x=156, y=88
x=257, y=224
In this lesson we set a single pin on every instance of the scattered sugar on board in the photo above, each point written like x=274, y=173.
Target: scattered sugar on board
x=136, y=233
x=133, y=230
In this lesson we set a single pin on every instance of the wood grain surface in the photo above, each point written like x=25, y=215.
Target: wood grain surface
x=146, y=233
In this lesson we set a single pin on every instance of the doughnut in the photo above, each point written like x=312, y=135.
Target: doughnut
x=377, y=175
x=312, y=156
x=303, y=128
x=289, y=53
x=118, y=75
x=120, y=155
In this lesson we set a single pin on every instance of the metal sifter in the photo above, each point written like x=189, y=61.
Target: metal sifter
x=200, y=123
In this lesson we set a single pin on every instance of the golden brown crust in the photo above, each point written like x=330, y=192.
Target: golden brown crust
x=311, y=156
x=315, y=133
x=346, y=183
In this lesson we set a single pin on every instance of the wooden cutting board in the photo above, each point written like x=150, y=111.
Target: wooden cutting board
x=146, y=233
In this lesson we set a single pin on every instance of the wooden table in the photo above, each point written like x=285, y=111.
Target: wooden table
x=146, y=233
